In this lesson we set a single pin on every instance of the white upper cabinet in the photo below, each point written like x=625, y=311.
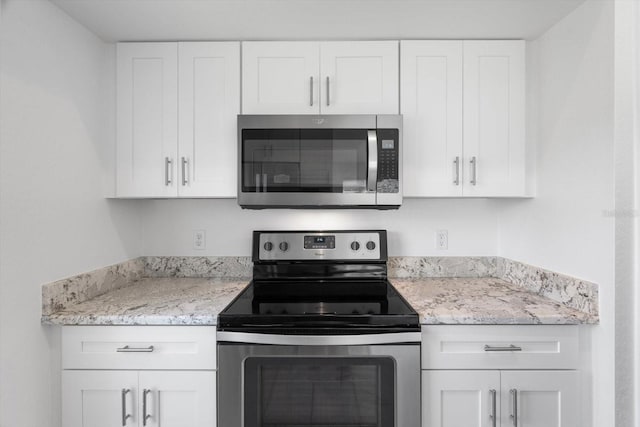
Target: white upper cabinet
x=147, y=119
x=432, y=115
x=494, y=118
x=280, y=77
x=177, y=108
x=359, y=77
x=209, y=102
x=464, y=130
x=320, y=78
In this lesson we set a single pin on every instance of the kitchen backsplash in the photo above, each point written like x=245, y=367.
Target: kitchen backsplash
x=569, y=291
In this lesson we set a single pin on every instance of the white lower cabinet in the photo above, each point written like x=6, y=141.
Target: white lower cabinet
x=500, y=398
x=147, y=376
x=138, y=398
x=500, y=376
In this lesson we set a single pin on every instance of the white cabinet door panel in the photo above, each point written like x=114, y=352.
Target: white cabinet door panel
x=544, y=398
x=459, y=398
x=94, y=398
x=494, y=127
x=147, y=111
x=431, y=94
x=362, y=77
x=209, y=104
x=179, y=399
x=280, y=78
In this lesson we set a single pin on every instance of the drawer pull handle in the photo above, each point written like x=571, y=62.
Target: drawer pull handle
x=127, y=349
x=510, y=348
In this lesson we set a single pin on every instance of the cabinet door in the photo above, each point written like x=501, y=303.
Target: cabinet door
x=460, y=398
x=178, y=398
x=544, y=399
x=431, y=89
x=280, y=78
x=147, y=119
x=209, y=102
x=359, y=77
x=494, y=128
x=95, y=398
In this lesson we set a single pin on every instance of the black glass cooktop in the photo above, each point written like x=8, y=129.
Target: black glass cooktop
x=319, y=307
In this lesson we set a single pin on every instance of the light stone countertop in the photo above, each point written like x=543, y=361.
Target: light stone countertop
x=155, y=301
x=197, y=301
x=484, y=301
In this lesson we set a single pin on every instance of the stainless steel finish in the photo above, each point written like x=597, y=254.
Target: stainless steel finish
x=145, y=416
x=514, y=407
x=359, y=121
x=311, y=91
x=372, y=150
x=493, y=414
x=296, y=250
x=232, y=357
x=328, y=92
x=127, y=349
x=474, y=171
x=185, y=164
x=318, y=340
x=167, y=178
x=456, y=168
x=510, y=348
x=307, y=121
x=125, y=416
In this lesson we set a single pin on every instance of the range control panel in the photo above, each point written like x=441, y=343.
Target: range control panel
x=361, y=245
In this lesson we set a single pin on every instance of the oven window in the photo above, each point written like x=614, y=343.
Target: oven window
x=304, y=160
x=315, y=392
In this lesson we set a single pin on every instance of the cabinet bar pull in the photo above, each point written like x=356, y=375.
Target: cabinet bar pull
x=328, y=92
x=514, y=408
x=127, y=349
x=167, y=178
x=311, y=91
x=510, y=348
x=145, y=416
x=185, y=163
x=474, y=167
x=125, y=416
x=456, y=168
x=493, y=407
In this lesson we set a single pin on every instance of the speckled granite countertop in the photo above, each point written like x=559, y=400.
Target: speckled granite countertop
x=483, y=301
x=197, y=301
x=155, y=301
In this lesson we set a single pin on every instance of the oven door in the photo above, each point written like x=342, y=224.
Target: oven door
x=373, y=385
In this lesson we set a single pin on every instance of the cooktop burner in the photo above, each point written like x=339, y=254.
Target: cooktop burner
x=343, y=292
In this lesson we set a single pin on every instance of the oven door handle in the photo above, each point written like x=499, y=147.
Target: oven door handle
x=313, y=340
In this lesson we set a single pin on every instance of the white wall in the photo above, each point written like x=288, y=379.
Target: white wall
x=169, y=224
x=569, y=226
x=56, y=126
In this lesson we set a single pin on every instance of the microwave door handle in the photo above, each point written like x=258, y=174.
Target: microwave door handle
x=372, y=175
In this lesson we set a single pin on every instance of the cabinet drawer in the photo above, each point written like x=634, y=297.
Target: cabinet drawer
x=139, y=347
x=499, y=347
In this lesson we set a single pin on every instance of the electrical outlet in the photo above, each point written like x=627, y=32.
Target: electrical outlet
x=199, y=239
x=442, y=240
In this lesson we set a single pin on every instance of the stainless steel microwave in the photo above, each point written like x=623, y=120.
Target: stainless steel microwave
x=305, y=161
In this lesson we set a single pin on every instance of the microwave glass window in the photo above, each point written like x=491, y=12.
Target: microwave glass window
x=319, y=392
x=304, y=160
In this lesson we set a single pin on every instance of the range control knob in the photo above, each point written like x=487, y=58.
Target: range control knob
x=268, y=246
x=283, y=246
x=355, y=245
x=371, y=245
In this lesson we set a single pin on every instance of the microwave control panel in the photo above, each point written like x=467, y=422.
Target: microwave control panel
x=388, y=165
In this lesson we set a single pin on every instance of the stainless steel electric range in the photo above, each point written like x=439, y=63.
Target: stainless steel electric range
x=319, y=337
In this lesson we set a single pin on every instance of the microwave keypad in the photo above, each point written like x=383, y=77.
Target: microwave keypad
x=387, y=161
